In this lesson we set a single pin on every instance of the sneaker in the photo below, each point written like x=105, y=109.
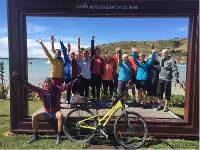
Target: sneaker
x=160, y=107
x=126, y=106
x=58, y=139
x=34, y=138
x=166, y=109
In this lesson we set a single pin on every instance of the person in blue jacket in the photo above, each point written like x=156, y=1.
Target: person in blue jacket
x=142, y=73
x=125, y=72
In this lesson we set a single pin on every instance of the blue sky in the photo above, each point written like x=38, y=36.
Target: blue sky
x=106, y=30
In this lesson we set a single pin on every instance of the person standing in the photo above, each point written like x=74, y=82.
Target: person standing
x=85, y=70
x=116, y=57
x=142, y=74
x=57, y=65
x=133, y=76
x=97, y=72
x=71, y=68
x=168, y=70
x=125, y=72
x=108, y=74
x=153, y=77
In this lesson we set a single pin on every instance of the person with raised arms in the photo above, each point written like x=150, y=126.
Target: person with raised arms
x=57, y=65
x=142, y=73
x=125, y=72
x=71, y=69
x=108, y=76
x=50, y=98
x=85, y=70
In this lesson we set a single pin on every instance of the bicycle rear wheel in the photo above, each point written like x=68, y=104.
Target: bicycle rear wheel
x=130, y=130
x=71, y=125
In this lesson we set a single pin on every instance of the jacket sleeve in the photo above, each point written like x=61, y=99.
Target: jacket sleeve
x=150, y=61
x=48, y=54
x=135, y=55
x=64, y=51
x=174, y=70
x=92, y=48
x=66, y=86
x=33, y=88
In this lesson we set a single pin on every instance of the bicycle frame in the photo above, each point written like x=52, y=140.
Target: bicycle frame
x=104, y=119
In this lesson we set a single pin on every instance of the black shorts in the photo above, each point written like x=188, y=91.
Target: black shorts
x=152, y=90
x=164, y=87
x=141, y=84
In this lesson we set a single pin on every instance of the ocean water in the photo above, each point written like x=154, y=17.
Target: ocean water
x=39, y=69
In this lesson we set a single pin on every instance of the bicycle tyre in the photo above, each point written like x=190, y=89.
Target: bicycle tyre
x=133, y=132
x=71, y=129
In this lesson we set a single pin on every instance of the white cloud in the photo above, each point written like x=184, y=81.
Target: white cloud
x=34, y=28
x=36, y=51
x=182, y=29
x=4, y=47
x=33, y=48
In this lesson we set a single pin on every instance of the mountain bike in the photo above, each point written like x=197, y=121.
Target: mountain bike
x=130, y=129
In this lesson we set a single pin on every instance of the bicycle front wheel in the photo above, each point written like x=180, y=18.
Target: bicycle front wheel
x=130, y=130
x=74, y=129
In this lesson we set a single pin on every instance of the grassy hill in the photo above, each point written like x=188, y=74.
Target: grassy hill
x=177, y=47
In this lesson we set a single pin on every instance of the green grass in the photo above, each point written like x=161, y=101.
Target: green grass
x=20, y=141
x=178, y=111
x=33, y=106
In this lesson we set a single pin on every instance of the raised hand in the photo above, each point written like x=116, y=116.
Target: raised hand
x=78, y=39
x=52, y=37
x=68, y=47
x=93, y=37
x=134, y=50
x=39, y=41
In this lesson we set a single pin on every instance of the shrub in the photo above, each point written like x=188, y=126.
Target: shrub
x=177, y=100
x=33, y=96
x=3, y=91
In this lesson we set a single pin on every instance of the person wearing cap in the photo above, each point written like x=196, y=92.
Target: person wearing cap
x=50, y=96
x=142, y=74
x=168, y=71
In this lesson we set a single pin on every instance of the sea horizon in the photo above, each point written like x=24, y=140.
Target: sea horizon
x=39, y=69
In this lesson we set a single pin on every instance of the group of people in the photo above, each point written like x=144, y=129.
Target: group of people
x=151, y=76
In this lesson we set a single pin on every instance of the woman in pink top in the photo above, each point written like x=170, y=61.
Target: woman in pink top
x=108, y=74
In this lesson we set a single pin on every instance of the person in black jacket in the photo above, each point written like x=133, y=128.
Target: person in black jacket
x=153, y=77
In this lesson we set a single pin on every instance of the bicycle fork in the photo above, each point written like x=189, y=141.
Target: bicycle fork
x=130, y=127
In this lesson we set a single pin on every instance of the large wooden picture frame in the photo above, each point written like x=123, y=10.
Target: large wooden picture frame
x=18, y=10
